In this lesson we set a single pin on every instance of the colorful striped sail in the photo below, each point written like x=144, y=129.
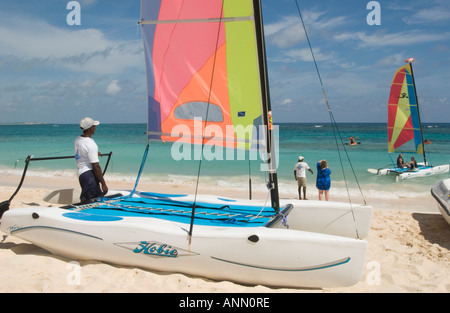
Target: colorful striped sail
x=404, y=131
x=202, y=71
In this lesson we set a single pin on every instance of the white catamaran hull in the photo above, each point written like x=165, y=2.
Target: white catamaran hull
x=441, y=192
x=327, y=217
x=402, y=174
x=251, y=255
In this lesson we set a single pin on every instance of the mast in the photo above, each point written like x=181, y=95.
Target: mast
x=410, y=60
x=266, y=106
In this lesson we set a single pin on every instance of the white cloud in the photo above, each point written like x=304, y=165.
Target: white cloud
x=286, y=101
x=381, y=39
x=391, y=60
x=87, y=2
x=433, y=15
x=88, y=83
x=113, y=88
x=37, y=39
x=34, y=43
x=305, y=55
x=286, y=33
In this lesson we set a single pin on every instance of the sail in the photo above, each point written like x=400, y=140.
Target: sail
x=202, y=71
x=404, y=132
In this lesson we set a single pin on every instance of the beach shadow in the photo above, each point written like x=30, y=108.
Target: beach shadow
x=207, y=280
x=22, y=248
x=32, y=204
x=434, y=228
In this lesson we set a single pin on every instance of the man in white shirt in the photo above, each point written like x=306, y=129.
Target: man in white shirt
x=89, y=171
x=300, y=175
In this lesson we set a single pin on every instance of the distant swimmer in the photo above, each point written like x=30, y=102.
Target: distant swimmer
x=352, y=141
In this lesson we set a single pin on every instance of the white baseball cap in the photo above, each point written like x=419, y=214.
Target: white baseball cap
x=300, y=158
x=87, y=123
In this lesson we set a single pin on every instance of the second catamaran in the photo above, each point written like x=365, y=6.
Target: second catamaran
x=405, y=128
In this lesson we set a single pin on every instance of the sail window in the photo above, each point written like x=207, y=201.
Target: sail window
x=191, y=110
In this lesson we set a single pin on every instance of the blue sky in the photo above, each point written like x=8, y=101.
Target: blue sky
x=56, y=73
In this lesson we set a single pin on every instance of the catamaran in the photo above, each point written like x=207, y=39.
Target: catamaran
x=405, y=128
x=205, y=61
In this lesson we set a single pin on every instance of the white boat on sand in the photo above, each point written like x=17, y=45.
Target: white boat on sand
x=226, y=245
x=441, y=192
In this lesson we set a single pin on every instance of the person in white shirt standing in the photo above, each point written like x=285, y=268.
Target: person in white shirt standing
x=89, y=171
x=300, y=175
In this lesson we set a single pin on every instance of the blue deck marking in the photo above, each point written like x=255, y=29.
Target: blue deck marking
x=160, y=195
x=209, y=214
x=92, y=217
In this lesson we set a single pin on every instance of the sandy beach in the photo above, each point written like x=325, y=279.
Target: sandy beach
x=409, y=251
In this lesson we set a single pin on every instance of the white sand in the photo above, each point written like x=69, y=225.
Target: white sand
x=409, y=251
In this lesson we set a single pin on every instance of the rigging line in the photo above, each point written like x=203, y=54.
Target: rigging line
x=333, y=121
x=249, y=179
x=326, y=98
x=336, y=134
x=141, y=169
x=138, y=177
x=205, y=122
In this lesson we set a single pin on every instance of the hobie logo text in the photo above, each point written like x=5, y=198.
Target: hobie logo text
x=156, y=248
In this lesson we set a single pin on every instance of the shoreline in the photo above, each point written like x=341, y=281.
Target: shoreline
x=418, y=202
x=409, y=251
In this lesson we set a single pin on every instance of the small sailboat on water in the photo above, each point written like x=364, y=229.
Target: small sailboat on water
x=405, y=128
x=206, y=60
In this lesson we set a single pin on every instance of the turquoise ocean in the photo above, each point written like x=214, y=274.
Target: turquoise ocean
x=314, y=141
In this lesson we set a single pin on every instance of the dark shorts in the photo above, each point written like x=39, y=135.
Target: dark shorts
x=323, y=184
x=90, y=187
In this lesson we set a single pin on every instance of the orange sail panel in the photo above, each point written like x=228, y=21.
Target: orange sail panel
x=403, y=115
x=202, y=71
